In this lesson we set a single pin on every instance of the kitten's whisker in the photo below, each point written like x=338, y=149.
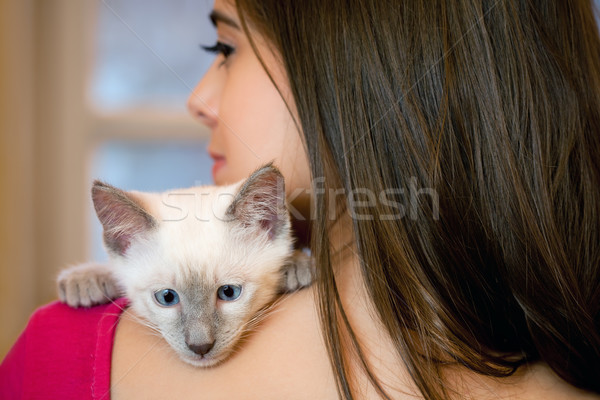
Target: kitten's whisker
x=154, y=329
x=263, y=313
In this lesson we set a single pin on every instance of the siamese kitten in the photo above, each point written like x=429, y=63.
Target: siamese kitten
x=198, y=265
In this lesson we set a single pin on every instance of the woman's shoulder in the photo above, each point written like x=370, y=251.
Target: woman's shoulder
x=59, y=317
x=58, y=327
x=285, y=357
x=62, y=351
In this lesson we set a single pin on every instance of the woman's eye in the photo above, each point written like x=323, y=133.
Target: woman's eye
x=220, y=48
x=229, y=292
x=166, y=297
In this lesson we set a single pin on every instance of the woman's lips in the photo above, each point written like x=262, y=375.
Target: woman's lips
x=219, y=162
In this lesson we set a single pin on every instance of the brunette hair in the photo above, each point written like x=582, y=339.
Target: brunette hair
x=495, y=106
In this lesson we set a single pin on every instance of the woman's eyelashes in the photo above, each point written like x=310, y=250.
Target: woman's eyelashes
x=220, y=48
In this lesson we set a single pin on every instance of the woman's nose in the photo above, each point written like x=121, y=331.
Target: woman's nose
x=203, y=102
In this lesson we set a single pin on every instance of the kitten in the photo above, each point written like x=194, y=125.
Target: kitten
x=198, y=265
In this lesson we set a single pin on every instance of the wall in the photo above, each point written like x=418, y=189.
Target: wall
x=17, y=255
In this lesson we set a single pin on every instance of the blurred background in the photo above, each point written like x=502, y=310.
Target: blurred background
x=88, y=89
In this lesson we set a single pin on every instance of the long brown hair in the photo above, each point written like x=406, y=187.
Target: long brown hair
x=494, y=107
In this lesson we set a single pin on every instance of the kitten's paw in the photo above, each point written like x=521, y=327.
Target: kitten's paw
x=299, y=272
x=87, y=284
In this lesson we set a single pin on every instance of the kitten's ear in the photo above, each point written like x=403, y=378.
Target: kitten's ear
x=260, y=202
x=122, y=217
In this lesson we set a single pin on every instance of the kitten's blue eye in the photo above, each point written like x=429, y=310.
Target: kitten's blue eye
x=229, y=292
x=166, y=297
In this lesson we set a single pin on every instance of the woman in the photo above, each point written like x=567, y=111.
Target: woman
x=443, y=160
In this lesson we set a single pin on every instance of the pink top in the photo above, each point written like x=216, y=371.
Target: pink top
x=63, y=353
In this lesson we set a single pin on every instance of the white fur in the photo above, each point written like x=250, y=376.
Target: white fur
x=194, y=249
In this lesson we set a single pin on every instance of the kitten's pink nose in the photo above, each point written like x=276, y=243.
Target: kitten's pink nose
x=201, y=349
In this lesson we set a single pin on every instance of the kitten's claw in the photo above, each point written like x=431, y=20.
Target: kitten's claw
x=86, y=285
x=298, y=273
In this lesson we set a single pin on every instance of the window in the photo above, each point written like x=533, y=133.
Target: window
x=146, y=61
x=147, y=53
